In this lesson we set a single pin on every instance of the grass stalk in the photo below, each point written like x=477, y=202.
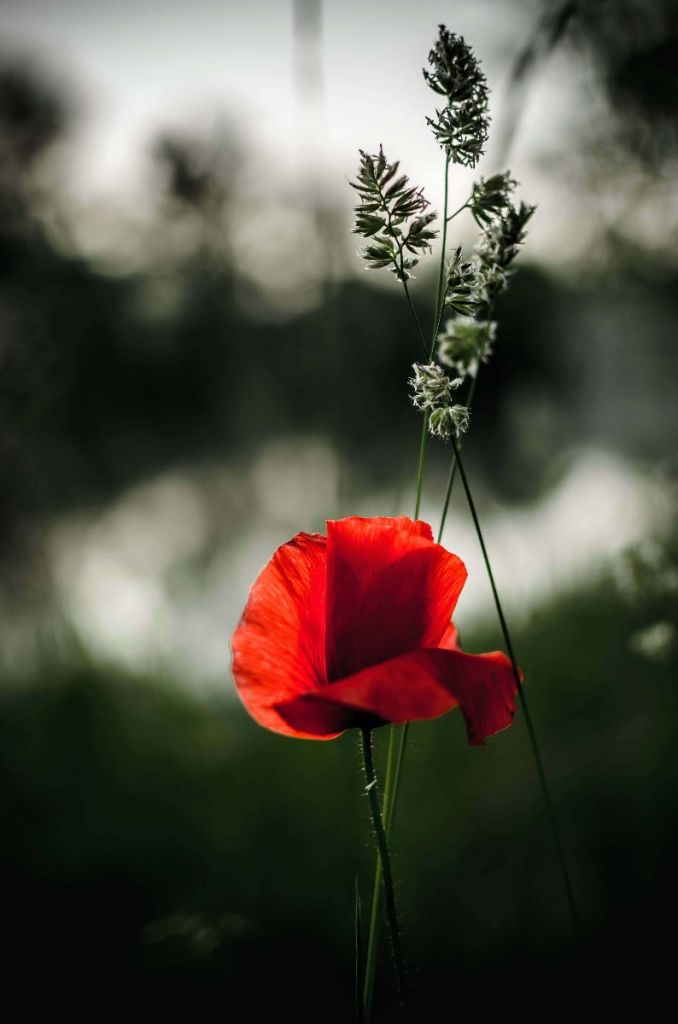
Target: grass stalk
x=548, y=803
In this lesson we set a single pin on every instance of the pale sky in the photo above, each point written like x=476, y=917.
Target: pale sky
x=139, y=65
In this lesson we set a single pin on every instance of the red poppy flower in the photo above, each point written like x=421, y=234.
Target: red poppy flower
x=353, y=630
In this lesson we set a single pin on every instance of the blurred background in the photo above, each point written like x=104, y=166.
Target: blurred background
x=194, y=367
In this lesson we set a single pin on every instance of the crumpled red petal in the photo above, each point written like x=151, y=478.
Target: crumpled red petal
x=450, y=640
x=279, y=644
x=390, y=590
x=418, y=685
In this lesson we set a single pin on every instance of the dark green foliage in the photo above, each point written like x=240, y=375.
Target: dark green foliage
x=155, y=845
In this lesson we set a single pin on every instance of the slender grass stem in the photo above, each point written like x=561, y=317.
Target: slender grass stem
x=399, y=267
x=389, y=814
x=453, y=468
x=359, y=957
x=393, y=783
x=469, y=403
x=386, y=874
x=416, y=320
x=422, y=462
x=567, y=882
x=372, y=945
x=440, y=294
x=457, y=212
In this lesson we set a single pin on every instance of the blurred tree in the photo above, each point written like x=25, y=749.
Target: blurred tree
x=32, y=117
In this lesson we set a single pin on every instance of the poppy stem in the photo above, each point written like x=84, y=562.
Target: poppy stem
x=386, y=877
x=397, y=736
x=567, y=882
x=397, y=739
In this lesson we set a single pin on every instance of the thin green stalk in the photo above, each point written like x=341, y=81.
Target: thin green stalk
x=359, y=957
x=386, y=871
x=394, y=783
x=440, y=294
x=416, y=320
x=453, y=468
x=373, y=946
x=446, y=505
x=402, y=742
x=422, y=461
x=457, y=212
x=469, y=403
x=567, y=882
x=400, y=270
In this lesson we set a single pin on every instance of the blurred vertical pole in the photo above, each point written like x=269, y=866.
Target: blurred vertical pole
x=311, y=129
x=314, y=177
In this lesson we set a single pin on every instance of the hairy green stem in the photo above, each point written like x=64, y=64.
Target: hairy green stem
x=567, y=882
x=394, y=759
x=386, y=875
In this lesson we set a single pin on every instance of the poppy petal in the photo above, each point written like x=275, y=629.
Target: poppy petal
x=418, y=685
x=312, y=717
x=279, y=644
x=450, y=640
x=416, y=526
x=390, y=590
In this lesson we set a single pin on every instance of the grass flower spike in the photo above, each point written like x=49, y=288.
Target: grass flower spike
x=432, y=394
x=460, y=127
x=449, y=422
x=465, y=284
x=499, y=246
x=466, y=343
x=392, y=214
x=491, y=197
x=431, y=387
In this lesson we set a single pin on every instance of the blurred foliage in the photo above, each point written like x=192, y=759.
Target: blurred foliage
x=635, y=43
x=159, y=845
x=634, y=46
x=106, y=379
